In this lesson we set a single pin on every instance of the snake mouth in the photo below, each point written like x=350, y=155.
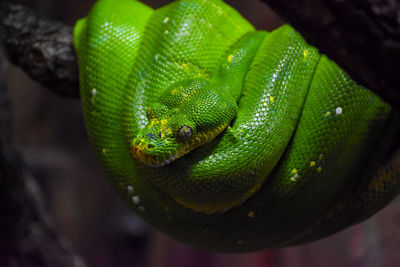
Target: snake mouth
x=154, y=161
x=140, y=155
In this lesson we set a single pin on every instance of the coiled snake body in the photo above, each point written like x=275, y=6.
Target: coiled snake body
x=227, y=138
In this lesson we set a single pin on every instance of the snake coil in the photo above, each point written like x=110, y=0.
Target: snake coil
x=228, y=138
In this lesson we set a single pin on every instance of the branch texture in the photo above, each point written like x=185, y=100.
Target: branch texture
x=362, y=36
x=27, y=235
x=42, y=47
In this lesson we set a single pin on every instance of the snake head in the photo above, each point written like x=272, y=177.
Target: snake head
x=187, y=115
x=163, y=140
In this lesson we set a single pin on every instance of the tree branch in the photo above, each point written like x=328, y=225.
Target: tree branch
x=27, y=235
x=361, y=36
x=42, y=47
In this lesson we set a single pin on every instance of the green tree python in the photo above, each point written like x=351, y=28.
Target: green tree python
x=227, y=138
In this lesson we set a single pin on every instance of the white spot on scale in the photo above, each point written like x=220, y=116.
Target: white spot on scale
x=130, y=189
x=294, y=177
x=165, y=20
x=338, y=110
x=135, y=200
x=93, y=92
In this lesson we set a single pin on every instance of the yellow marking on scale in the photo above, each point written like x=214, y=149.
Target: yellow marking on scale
x=140, y=145
x=327, y=114
x=251, y=214
x=230, y=58
x=153, y=121
x=271, y=99
x=295, y=175
x=164, y=121
x=319, y=169
x=312, y=163
x=185, y=66
x=305, y=53
x=165, y=131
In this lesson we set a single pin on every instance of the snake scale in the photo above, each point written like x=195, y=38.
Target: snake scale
x=227, y=138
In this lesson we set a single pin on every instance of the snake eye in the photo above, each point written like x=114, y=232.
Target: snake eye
x=185, y=132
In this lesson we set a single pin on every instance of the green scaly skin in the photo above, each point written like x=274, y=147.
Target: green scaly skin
x=227, y=138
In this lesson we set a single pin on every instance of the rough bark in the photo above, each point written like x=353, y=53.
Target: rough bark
x=27, y=235
x=42, y=47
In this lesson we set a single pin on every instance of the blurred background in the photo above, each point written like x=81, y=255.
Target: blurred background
x=50, y=132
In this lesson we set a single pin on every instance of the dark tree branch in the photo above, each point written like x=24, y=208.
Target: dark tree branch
x=42, y=47
x=27, y=235
x=362, y=36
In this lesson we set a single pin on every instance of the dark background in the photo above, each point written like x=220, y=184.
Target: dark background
x=49, y=131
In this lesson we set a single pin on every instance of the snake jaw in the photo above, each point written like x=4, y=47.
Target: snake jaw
x=139, y=154
x=161, y=161
x=141, y=151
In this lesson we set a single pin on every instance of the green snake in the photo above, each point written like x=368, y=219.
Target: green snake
x=227, y=138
